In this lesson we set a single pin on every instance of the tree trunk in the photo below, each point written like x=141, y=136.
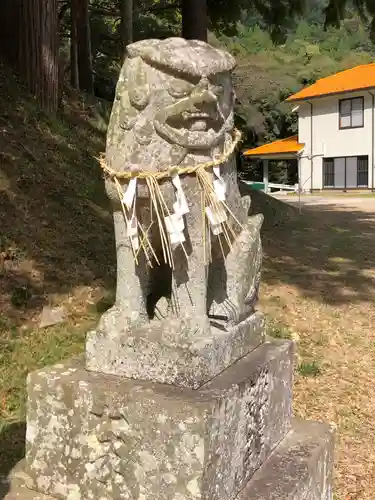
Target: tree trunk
x=9, y=30
x=194, y=20
x=38, y=60
x=74, y=80
x=84, y=56
x=126, y=9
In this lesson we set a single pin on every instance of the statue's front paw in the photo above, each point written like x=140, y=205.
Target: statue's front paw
x=163, y=308
x=120, y=317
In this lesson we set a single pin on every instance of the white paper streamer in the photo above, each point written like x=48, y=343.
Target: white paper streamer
x=180, y=206
x=135, y=242
x=174, y=224
x=216, y=217
x=132, y=227
x=177, y=238
x=130, y=192
x=219, y=185
x=217, y=229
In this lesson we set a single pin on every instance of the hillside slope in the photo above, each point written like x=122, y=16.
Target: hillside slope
x=56, y=241
x=55, y=231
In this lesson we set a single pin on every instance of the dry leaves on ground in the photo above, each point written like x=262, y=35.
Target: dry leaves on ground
x=319, y=282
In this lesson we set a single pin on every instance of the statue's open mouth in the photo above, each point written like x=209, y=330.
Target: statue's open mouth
x=193, y=122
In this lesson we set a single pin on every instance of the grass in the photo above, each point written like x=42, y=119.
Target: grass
x=56, y=242
x=309, y=369
x=278, y=330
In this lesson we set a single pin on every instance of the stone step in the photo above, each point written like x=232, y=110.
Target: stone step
x=16, y=490
x=300, y=468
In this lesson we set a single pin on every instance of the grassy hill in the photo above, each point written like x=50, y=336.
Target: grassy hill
x=56, y=238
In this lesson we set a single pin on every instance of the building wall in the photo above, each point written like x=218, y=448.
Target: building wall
x=328, y=140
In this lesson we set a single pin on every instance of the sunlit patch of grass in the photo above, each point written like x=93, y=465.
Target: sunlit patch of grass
x=23, y=351
x=278, y=330
x=309, y=369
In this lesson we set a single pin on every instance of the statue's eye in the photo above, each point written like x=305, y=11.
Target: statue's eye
x=180, y=88
x=218, y=90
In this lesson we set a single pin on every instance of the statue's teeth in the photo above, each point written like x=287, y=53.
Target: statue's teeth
x=199, y=125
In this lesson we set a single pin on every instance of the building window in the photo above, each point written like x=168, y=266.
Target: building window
x=328, y=173
x=351, y=112
x=345, y=173
x=362, y=171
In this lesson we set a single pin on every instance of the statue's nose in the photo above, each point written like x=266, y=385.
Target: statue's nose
x=205, y=91
x=204, y=83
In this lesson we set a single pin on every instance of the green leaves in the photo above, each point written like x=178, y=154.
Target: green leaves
x=336, y=11
x=267, y=73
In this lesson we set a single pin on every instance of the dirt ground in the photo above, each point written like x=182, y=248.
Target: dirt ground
x=319, y=281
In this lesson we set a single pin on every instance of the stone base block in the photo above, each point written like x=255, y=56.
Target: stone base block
x=169, y=352
x=300, y=468
x=15, y=487
x=99, y=437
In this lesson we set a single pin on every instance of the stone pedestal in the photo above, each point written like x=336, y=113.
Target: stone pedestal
x=168, y=352
x=299, y=469
x=92, y=436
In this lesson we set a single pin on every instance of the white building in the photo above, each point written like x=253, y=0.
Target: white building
x=335, y=142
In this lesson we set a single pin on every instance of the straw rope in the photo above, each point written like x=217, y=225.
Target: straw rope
x=159, y=207
x=175, y=169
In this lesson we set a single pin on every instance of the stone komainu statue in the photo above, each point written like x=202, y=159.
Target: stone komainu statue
x=174, y=107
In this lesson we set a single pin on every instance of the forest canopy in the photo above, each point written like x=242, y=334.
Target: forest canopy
x=268, y=69
x=280, y=46
x=268, y=73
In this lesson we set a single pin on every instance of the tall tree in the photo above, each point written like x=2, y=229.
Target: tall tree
x=74, y=78
x=38, y=60
x=336, y=9
x=198, y=14
x=126, y=10
x=81, y=25
x=276, y=14
x=194, y=19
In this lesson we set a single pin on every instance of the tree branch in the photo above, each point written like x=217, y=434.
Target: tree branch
x=156, y=8
x=63, y=9
x=105, y=12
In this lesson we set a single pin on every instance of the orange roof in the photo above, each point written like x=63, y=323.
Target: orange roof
x=350, y=80
x=287, y=146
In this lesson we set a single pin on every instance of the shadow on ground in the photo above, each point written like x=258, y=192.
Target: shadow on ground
x=56, y=229
x=327, y=252
x=12, y=446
